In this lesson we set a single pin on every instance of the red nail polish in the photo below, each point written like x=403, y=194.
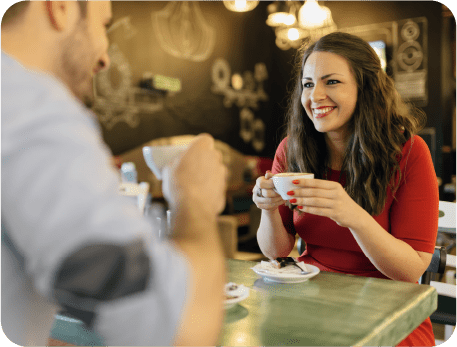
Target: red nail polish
x=290, y=192
x=295, y=181
x=300, y=207
x=293, y=201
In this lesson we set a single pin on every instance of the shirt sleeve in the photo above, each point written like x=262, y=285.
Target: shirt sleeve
x=150, y=317
x=414, y=211
x=279, y=165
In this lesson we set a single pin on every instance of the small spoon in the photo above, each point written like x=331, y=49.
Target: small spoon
x=289, y=260
x=303, y=272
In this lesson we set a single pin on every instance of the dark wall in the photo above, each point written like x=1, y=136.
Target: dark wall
x=243, y=39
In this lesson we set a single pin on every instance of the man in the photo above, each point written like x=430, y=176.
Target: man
x=69, y=240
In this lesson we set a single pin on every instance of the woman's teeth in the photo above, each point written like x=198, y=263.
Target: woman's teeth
x=323, y=110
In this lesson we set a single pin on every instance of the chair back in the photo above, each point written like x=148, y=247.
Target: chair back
x=301, y=246
x=437, y=265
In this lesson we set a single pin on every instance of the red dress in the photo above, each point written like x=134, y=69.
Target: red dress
x=412, y=217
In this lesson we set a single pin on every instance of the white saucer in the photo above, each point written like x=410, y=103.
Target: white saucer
x=286, y=277
x=241, y=293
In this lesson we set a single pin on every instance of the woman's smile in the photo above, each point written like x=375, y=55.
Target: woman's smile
x=323, y=111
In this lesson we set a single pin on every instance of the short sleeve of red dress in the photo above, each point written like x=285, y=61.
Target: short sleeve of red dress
x=414, y=211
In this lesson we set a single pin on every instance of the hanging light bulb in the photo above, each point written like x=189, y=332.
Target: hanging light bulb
x=311, y=15
x=280, y=14
x=289, y=19
x=287, y=37
x=241, y=5
x=293, y=34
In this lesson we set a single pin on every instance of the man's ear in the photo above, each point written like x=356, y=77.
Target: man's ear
x=58, y=13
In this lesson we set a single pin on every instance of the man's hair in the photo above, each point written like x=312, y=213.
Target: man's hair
x=15, y=11
x=380, y=125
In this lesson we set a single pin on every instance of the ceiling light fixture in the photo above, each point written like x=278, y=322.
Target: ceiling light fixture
x=294, y=22
x=312, y=15
x=240, y=5
x=280, y=14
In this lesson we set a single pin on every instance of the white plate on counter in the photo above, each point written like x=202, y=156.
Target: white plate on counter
x=285, y=277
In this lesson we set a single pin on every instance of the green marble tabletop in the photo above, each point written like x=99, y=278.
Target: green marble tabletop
x=327, y=310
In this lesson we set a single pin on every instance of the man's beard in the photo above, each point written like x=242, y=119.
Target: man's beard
x=77, y=63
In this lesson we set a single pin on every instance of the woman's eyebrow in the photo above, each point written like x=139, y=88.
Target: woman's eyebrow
x=323, y=77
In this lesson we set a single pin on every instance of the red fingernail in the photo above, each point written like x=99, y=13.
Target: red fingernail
x=293, y=201
x=295, y=181
x=291, y=192
x=300, y=207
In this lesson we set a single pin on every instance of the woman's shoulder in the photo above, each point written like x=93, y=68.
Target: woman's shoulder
x=282, y=147
x=415, y=145
x=280, y=160
x=415, y=149
x=283, y=143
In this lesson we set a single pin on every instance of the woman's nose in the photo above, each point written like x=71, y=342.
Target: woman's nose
x=318, y=93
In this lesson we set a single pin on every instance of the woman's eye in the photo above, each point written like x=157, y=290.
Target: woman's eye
x=332, y=82
x=307, y=85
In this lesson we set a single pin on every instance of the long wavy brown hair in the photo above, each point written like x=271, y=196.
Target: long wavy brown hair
x=382, y=122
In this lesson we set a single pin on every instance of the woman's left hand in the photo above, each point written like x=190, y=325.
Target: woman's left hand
x=328, y=199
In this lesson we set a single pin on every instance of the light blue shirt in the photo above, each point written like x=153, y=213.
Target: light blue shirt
x=59, y=193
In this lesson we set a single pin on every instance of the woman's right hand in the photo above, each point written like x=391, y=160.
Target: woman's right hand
x=269, y=199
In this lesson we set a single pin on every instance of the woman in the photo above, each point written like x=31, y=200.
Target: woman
x=372, y=209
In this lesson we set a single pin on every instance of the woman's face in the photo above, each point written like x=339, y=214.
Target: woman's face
x=329, y=92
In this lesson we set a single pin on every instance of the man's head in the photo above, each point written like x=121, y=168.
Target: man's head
x=74, y=34
x=17, y=9
x=84, y=51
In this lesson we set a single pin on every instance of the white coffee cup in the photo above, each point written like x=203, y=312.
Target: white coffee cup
x=283, y=182
x=157, y=157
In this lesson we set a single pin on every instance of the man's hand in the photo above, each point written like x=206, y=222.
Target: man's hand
x=197, y=177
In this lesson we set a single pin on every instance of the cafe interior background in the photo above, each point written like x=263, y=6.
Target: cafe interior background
x=186, y=67
x=180, y=68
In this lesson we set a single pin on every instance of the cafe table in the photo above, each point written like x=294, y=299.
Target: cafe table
x=328, y=309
